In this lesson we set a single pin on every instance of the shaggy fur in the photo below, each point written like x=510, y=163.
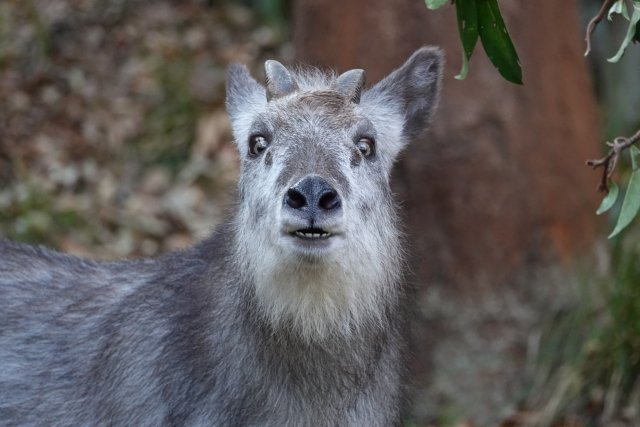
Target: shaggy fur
x=253, y=326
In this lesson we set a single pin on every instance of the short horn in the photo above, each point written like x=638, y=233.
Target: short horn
x=350, y=84
x=279, y=80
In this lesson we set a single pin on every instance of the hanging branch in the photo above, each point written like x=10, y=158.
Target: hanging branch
x=610, y=161
x=606, y=5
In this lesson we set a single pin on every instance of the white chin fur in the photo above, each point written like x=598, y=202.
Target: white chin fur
x=334, y=294
x=314, y=248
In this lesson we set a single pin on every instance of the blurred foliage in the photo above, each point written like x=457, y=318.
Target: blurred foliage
x=170, y=125
x=588, y=366
x=276, y=12
x=34, y=215
x=113, y=137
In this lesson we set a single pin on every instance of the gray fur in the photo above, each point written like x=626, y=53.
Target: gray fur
x=253, y=326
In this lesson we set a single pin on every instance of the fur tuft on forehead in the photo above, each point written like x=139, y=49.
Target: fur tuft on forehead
x=312, y=79
x=326, y=99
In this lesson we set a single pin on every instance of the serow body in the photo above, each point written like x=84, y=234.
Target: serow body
x=291, y=314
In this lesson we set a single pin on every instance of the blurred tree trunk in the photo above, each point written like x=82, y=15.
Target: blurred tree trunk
x=497, y=200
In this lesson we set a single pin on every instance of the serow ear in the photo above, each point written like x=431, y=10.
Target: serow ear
x=279, y=80
x=243, y=92
x=415, y=88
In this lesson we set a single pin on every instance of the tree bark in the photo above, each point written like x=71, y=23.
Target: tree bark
x=497, y=200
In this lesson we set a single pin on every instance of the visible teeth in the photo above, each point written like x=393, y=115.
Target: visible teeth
x=307, y=235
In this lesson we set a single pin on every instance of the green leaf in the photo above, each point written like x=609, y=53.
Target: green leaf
x=633, y=152
x=619, y=7
x=496, y=41
x=467, y=15
x=435, y=4
x=464, y=69
x=631, y=203
x=609, y=200
x=636, y=37
x=631, y=33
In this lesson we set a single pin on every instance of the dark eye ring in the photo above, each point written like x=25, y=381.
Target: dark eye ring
x=366, y=146
x=257, y=144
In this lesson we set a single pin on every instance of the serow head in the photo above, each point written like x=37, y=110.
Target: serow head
x=316, y=154
x=317, y=150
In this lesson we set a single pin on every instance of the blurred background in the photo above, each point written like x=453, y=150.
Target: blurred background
x=114, y=143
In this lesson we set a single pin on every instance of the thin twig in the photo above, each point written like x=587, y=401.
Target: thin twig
x=610, y=161
x=606, y=5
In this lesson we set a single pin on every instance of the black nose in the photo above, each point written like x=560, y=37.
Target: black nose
x=312, y=192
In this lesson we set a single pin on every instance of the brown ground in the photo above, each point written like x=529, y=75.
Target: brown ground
x=113, y=137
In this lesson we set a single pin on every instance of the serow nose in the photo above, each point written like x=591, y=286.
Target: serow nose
x=312, y=193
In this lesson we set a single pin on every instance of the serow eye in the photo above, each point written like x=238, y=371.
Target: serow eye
x=257, y=144
x=366, y=146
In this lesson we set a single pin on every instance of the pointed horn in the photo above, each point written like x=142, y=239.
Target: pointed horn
x=279, y=80
x=350, y=84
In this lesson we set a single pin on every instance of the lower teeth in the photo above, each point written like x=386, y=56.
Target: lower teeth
x=311, y=235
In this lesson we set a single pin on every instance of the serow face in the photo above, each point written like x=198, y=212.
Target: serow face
x=317, y=150
x=319, y=169
x=317, y=231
